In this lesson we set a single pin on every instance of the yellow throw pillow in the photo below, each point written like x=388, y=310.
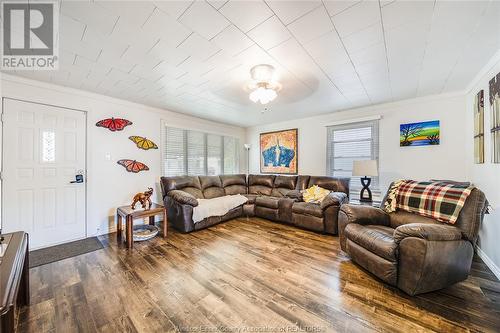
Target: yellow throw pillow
x=315, y=194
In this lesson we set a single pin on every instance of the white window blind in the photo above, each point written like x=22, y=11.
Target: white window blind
x=175, y=155
x=348, y=143
x=196, y=153
x=214, y=154
x=231, y=156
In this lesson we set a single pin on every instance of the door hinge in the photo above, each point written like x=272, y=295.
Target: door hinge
x=1, y=117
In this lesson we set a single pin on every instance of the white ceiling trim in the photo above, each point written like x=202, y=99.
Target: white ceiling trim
x=354, y=120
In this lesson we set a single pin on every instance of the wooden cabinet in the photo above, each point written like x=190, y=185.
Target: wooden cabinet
x=14, y=279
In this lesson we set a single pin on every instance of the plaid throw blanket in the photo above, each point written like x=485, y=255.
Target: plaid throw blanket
x=442, y=201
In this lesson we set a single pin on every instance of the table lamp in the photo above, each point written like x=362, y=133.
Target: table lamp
x=364, y=169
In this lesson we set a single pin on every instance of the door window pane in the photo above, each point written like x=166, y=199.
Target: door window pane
x=48, y=146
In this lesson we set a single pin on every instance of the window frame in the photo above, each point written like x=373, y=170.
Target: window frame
x=186, y=131
x=354, y=188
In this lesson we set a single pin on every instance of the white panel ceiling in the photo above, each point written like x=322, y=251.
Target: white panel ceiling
x=194, y=56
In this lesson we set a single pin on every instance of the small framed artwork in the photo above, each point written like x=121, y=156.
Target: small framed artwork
x=424, y=133
x=279, y=152
x=479, y=127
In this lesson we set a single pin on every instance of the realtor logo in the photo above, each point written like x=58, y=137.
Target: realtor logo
x=29, y=36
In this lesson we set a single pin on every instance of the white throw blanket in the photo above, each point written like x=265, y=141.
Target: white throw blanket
x=216, y=206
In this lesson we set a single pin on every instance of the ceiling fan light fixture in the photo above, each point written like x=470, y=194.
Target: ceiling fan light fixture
x=264, y=87
x=263, y=95
x=262, y=73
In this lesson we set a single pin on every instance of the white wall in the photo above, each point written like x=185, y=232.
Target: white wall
x=109, y=185
x=487, y=175
x=444, y=161
x=1, y=152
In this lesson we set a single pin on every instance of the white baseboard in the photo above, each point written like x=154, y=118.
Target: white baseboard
x=491, y=265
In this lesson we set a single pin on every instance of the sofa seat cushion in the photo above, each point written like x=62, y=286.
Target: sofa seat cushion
x=306, y=208
x=251, y=198
x=374, y=238
x=217, y=206
x=269, y=202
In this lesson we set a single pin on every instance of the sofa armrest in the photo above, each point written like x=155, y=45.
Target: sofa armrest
x=427, y=231
x=294, y=194
x=334, y=199
x=364, y=215
x=183, y=198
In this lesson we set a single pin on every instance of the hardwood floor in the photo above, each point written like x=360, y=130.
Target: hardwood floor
x=248, y=274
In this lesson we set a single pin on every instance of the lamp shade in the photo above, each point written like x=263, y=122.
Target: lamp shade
x=365, y=168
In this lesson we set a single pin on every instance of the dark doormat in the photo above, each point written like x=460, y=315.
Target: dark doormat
x=63, y=251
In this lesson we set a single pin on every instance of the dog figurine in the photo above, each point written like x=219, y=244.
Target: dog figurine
x=143, y=198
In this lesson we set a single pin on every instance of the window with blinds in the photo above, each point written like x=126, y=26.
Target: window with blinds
x=231, y=157
x=348, y=143
x=215, y=154
x=196, y=153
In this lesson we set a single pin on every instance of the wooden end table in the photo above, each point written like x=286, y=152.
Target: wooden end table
x=129, y=214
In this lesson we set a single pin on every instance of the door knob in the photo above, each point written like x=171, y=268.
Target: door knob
x=78, y=179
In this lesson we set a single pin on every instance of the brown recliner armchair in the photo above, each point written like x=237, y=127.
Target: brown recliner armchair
x=414, y=253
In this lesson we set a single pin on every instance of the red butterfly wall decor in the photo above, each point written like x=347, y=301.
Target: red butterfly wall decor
x=133, y=165
x=114, y=124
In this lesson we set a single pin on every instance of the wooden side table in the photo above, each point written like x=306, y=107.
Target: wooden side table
x=129, y=214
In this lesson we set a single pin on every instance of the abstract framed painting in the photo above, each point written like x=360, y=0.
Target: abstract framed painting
x=479, y=127
x=495, y=117
x=424, y=133
x=279, y=152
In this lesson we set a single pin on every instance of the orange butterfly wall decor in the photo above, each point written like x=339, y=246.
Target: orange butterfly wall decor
x=114, y=124
x=133, y=165
x=143, y=143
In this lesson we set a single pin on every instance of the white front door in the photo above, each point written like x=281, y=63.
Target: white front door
x=43, y=150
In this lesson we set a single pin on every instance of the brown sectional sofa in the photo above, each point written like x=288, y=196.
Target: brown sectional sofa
x=276, y=198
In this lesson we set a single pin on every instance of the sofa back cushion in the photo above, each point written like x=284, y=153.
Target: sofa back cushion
x=260, y=184
x=189, y=184
x=283, y=185
x=330, y=183
x=401, y=217
x=468, y=221
x=211, y=187
x=234, y=184
x=302, y=182
x=472, y=214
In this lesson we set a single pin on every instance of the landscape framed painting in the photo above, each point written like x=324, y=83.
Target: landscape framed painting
x=279, y=152
x=426, y=133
